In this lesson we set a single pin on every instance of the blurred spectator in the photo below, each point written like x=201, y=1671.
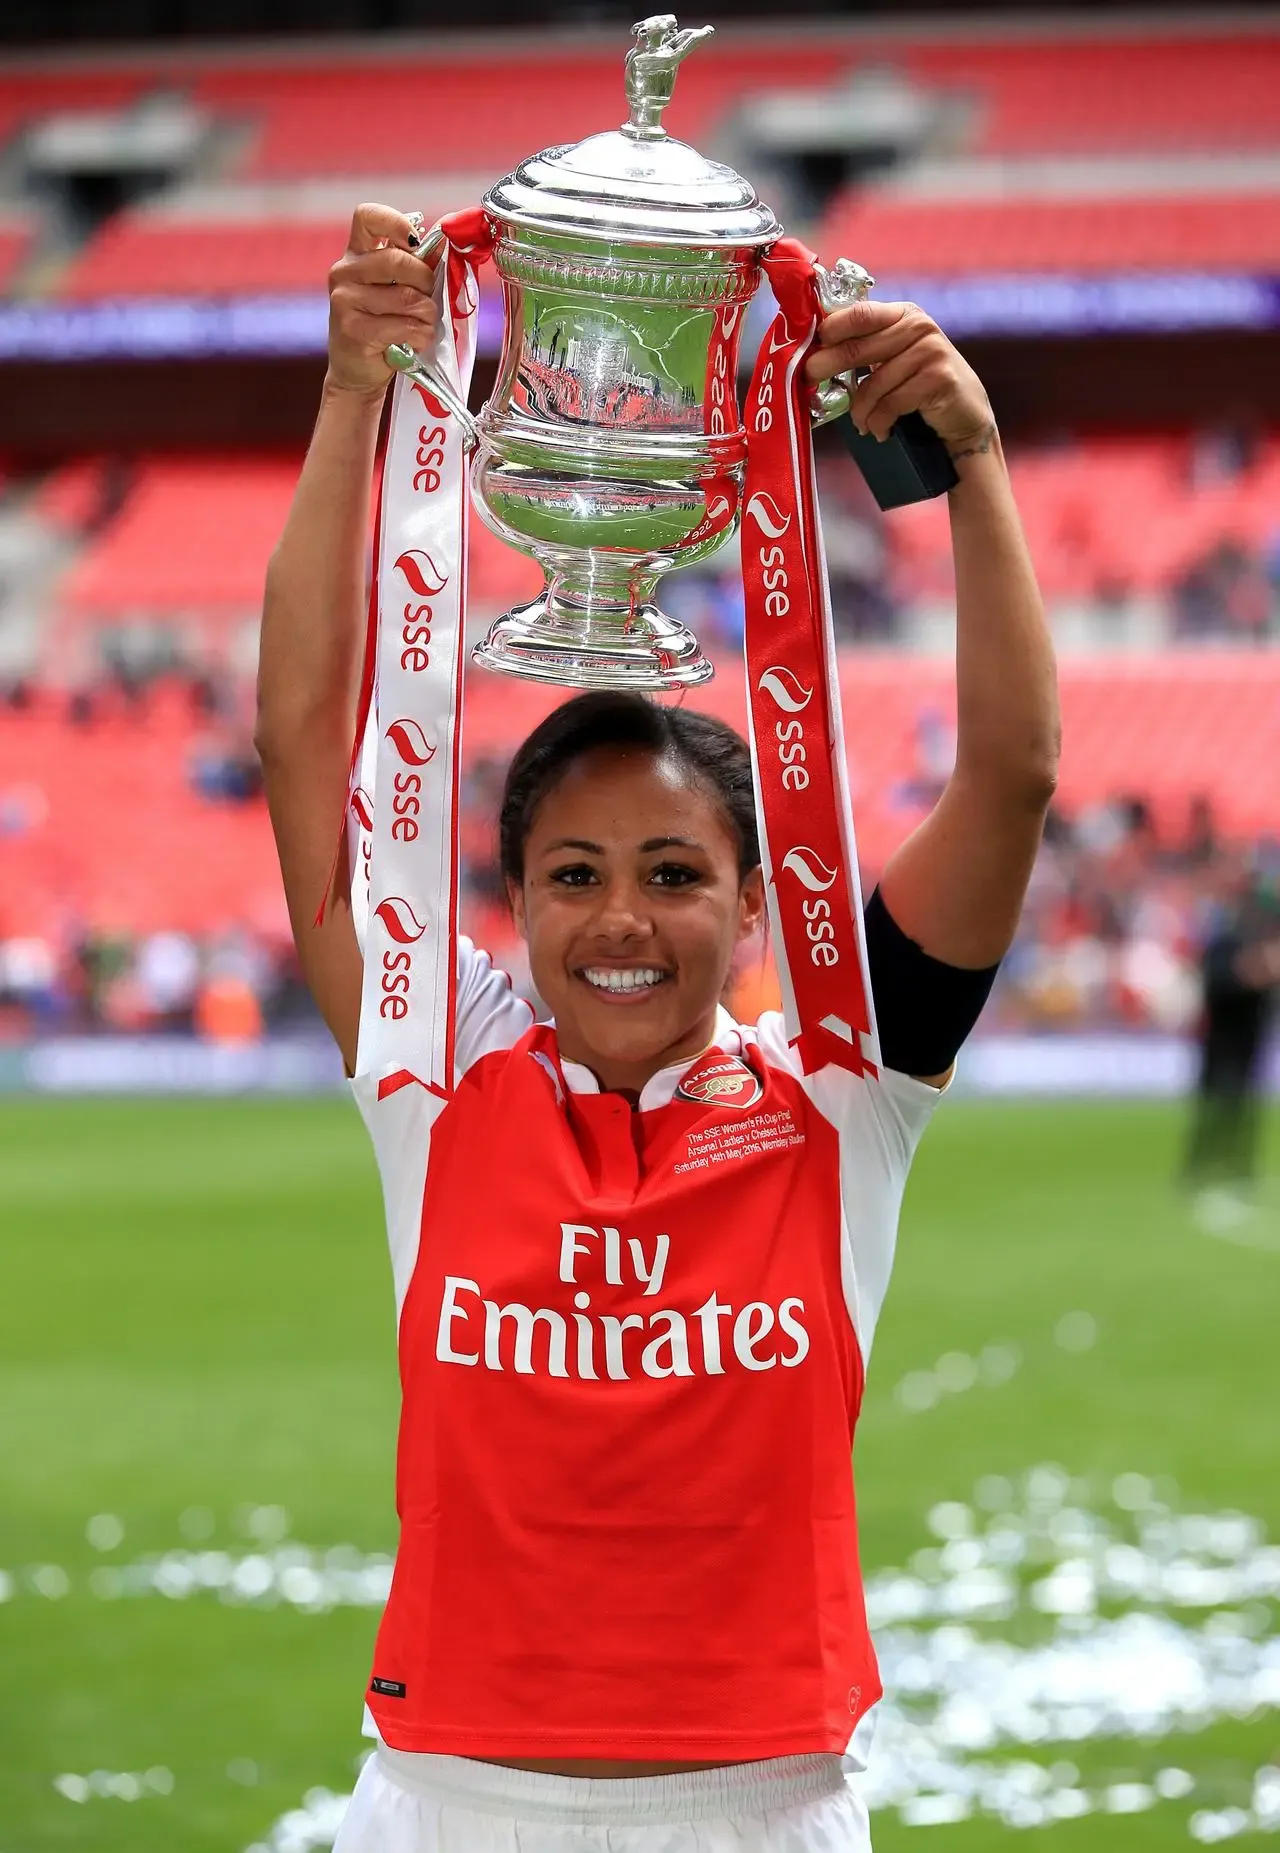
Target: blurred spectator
x=1225, y=592
x=1221, y=453
x=237, y=977
x=1241, y=976
x=29, y=980
x=168, y=973
x=934, y=747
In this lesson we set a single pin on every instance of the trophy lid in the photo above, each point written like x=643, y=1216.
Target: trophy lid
x=637, y=185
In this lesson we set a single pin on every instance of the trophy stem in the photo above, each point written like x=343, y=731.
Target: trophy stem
x=593, y=628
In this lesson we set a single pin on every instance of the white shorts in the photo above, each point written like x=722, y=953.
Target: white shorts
x=450, y=1804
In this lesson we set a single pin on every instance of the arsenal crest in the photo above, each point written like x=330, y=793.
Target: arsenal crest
x=722, y=1082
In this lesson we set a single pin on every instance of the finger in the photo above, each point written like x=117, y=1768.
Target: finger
x=860, y=318
x=377, y=332
x=824, y=361
x=373, y=225
x=389, y=264
x=905, y=398
x=869, y=349
x=883, y=380
x=865, y=351
x=384, y=299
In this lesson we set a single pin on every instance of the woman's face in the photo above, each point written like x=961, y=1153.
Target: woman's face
x=632, y=906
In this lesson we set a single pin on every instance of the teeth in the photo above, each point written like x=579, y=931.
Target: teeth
x=634, y=978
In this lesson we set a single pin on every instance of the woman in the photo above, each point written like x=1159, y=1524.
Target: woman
x=639, y=1255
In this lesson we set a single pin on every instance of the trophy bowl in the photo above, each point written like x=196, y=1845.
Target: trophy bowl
x=612, y=448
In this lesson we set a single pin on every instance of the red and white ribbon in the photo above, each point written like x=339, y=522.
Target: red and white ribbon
x=402, y=821
x=793, y=696
x=405, y=768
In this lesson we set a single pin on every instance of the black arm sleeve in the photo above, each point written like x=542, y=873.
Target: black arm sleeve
x=924, y=1009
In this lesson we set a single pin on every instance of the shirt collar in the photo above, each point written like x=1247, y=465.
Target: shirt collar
x=659, y=1089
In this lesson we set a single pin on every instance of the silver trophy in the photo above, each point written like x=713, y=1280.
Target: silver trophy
x=612, y=449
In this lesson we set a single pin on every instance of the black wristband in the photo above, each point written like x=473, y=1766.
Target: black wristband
x=924, y=1008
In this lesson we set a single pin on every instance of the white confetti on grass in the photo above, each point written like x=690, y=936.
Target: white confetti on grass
x=105, y=1531
x=955, y=1373
x=1095, y=1654
x=302, y=1830
x=116, y=1785
x=1076, y=1331
x=1035, y=1617
x=1209, y=1826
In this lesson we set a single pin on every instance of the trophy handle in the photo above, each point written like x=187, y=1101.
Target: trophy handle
x=844, y=283
x=407, y=360
x=913, y=464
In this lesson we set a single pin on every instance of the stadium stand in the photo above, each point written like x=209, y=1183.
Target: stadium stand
x=111, y=824
x=15, y=244
x=1112, y=92
x=1075, y=237
x=153, y=254
x=1111, y=515
x=1189, y=90
x=127, y=784
x=31, y=90
x=1107, y=518
x=295, y=119
x=193, y=536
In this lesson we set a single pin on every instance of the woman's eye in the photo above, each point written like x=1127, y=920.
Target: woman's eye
x=674, y=875
x=576, y=875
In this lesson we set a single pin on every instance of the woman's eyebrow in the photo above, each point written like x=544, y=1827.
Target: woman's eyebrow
x=646, y=848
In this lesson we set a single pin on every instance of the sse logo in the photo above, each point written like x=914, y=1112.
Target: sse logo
x=427, y=580
x=812, y=873
x=722, y=1084
x=414, y=751
x=403, y=926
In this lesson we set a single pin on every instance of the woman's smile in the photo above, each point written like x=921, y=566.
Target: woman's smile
x=629, y=984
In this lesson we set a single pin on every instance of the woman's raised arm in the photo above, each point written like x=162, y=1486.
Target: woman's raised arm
x=956, y=885
x=313, y=623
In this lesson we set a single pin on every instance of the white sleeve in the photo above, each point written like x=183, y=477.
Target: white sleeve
x=879, y=1123
x=488, y=1014
x=400, y=1113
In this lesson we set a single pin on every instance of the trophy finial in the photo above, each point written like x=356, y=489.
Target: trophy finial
x=652, y=63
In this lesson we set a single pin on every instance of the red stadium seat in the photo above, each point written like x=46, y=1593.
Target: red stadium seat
x=15, y=244
x=900, y=236
x=27, y=95
x=460, y=110
x=195, y=535
x=481, y=111
x=152, y=255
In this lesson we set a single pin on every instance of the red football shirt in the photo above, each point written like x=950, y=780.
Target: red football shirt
x=632, y=1347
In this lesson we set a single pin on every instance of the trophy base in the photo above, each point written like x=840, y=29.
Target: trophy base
x=642, y=649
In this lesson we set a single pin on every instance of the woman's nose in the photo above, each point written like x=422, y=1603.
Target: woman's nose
x=622, y=912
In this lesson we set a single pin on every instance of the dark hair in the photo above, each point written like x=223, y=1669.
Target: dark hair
x=711, y=750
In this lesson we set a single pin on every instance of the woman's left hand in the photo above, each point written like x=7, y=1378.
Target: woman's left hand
x=914, y=368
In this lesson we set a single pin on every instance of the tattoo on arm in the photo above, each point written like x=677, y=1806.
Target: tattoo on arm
x=979, y=447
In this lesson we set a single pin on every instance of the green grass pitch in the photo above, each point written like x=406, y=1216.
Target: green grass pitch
x=195, y=1312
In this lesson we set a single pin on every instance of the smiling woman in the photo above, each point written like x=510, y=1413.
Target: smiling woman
x=629, y=848
x=639, y=1249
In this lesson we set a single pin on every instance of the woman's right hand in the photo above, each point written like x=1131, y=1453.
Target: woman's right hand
x=379, y=293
